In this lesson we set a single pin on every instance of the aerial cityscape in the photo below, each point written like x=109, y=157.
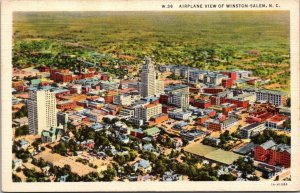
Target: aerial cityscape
x=132, y=97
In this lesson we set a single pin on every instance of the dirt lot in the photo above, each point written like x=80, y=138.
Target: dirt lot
x=60, y=161
x=29, y=138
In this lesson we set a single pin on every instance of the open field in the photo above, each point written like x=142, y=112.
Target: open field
x=60, y=161
x=199, y=149
x=212, y=153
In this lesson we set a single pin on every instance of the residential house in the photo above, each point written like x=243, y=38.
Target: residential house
x=88, y=144
x=143, y=165
x=148, y=147
x=171, y=176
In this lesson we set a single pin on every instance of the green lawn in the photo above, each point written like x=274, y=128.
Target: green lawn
x=199, y=149
x=212, y=153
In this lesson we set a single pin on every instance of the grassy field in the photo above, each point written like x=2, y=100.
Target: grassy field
x=212, y=153
x=209, y=40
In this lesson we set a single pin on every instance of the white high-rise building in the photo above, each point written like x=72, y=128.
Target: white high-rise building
x=150, y=84
x=146, y=111
x=159, y=85
x=122, y=99
x=274, y=97
x=42, y=113
x=178, y=95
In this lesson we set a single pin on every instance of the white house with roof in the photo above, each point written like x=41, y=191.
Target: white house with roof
x=23, y=144
x=143, y=165
x=17, y=163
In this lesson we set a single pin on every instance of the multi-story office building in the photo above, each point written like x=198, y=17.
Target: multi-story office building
x=159, y=85
x=243, y=74
x=122, y=99
x=273, y=154
x=150, y=84
x=277, y=98
x=250, y=96
x=174, y=89
x=126, y=112
x=62, y=119
x=145, y=112
x=166, y=68
x=217, y=125
x=252, y=130
x=180, y=100
x=214, y=79
x=178, y=95
x=276, y=122
x=41, y=111
x=180, y=115
x=108, y=85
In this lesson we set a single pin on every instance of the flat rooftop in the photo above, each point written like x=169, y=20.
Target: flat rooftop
x=278, y=118
x=175, y=87
x=276, y=92
x=251, y=126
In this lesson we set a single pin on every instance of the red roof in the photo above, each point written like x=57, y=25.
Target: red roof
x=278, y=118
x=150, y=105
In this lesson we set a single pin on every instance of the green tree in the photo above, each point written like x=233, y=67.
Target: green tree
x=227, y=177
x=16, y=178
x=109, y=174
x=23, y=130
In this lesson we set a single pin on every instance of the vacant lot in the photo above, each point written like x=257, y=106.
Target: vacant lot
x=60, y=161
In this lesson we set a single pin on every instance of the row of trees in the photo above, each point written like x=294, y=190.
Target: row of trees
x=268, y=135
x=34, y=176
x=19, y=152
x=225, y=138
x=246, y=167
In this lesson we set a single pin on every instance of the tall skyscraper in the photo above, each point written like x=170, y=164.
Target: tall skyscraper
x=41, y=111
x=150, y=84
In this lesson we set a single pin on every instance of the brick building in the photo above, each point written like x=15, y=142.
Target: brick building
x=239, y=103
x=273, y=154
x=214, y=100
x=64, y=105
x=213, y=90
x=201, y=120
x=203, y=104
x=231, y=75
x=228, y=107
x=158, y=119
x=163, y=99
x=227, y=83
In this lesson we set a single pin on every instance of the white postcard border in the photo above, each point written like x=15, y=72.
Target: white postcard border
x=8, y=7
